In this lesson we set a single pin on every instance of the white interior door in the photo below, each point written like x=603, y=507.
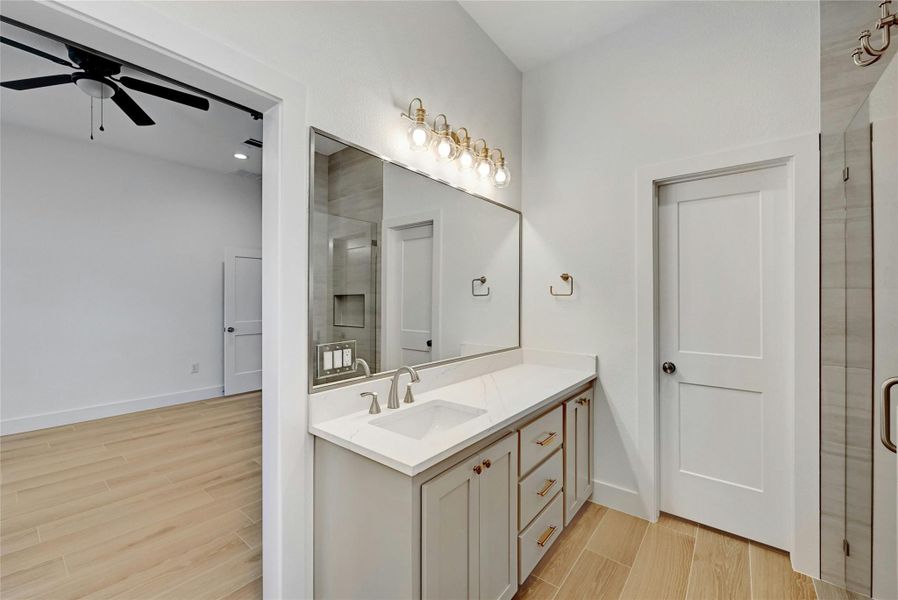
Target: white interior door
x=885, y=354
x=415, y=256
x=242, y=320
x=725, y=305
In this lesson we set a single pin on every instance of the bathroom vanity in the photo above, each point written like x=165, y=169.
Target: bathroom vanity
x=458, y=495
x=454, y=486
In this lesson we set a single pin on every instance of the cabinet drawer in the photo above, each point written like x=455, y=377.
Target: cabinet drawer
x=538, y=488
x=535, y=541
x=540, y=438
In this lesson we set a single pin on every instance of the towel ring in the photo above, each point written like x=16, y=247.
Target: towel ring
x=482, y=280
x=564, y=277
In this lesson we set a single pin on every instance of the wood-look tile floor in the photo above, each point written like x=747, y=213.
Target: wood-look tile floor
x=605, y=554
x=165, y=503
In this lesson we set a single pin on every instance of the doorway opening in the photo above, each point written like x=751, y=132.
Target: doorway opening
x=132, y=338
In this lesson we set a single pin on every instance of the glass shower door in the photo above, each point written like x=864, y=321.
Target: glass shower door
x=859, y=345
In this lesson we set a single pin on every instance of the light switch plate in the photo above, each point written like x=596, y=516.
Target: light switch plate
x=335, y=358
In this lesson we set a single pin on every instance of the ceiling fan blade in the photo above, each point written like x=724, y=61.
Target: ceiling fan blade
x=166, y=93
x=36, y=52
x=37, y=82
x=130, y=108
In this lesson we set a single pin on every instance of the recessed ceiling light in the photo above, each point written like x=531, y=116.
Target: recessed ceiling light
x=240, y=156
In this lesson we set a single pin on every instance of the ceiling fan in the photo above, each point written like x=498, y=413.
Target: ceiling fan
x=96, y=76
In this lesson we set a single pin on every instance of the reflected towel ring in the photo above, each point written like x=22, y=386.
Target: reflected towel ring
x=482, y=280
x=564, y=277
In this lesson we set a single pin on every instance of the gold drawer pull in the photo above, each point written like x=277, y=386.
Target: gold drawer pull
x=547, y=440
x=546, y=535
x=550, y=483
x=583, y=401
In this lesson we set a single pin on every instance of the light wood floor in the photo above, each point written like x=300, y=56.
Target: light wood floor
x=606, y=554
x=164, y=503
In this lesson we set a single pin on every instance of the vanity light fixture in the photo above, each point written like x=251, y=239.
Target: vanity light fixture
x=448, y=145
x=501, y=177
x=483, y=167
x=885, y=22
x=445, y=141
x=419, y=132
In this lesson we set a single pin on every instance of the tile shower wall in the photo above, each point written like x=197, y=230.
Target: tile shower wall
x=348, y=211
x=846, y=356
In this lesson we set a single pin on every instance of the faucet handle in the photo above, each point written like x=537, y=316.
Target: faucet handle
x=374, y=409
x=409, y=396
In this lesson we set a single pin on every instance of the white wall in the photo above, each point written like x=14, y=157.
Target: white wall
x=112, y=277
x=700, y=78
x=363, y=62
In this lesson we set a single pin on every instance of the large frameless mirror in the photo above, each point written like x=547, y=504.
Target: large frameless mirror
x=403, y=269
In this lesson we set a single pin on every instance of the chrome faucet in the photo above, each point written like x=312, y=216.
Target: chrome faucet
x=393, y=401
x=361, y=362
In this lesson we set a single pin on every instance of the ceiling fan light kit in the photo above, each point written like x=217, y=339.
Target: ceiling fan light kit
x=99, y=78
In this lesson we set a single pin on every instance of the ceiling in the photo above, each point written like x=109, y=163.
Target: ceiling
x=533, y=33
x=181, y=134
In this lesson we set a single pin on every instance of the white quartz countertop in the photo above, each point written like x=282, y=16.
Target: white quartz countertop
x=506, y=395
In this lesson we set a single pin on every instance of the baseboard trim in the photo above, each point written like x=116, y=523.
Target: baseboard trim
x=619, y=498
x=99, y=411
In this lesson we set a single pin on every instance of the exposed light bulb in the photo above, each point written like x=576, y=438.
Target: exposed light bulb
x=502, y=177
x=484, y=168
x=418, y=136
x=419, y=133
x=444, y=148
x=465, y=160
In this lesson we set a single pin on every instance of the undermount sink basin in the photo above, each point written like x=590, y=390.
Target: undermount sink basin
x=429, y=419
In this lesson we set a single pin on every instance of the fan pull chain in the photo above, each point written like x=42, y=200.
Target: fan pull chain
x=91, y=118
x=101, y=114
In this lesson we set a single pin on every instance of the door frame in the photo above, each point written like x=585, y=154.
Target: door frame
x=142, y=35
x=389, y=227
x=800, y=155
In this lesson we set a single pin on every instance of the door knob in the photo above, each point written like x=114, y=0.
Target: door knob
x=668, y=367
x=230, y=330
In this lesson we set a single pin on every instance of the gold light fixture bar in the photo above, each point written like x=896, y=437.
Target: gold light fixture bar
x=448, y=145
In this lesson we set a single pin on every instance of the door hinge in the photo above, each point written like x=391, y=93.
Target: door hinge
x=846, y=548
x=845, y=174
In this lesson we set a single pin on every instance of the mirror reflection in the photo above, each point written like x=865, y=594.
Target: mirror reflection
x=405, y=270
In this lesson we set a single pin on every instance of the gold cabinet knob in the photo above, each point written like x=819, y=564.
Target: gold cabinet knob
x=478, y=469
x=487, y=463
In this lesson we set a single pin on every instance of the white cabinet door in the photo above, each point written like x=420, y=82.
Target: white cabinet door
x=577, y=453
x=498, y=534
x=450, y=533
x=468, y=535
